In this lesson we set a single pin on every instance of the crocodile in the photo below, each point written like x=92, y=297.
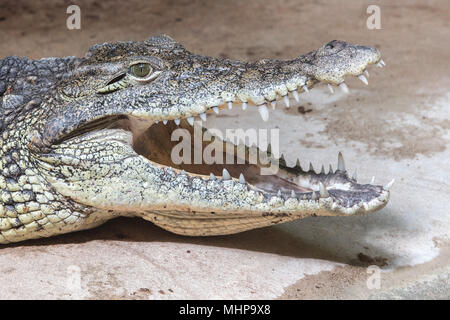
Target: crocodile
x=85, y=140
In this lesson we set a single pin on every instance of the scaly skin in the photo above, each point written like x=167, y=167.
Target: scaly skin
x=82, y=141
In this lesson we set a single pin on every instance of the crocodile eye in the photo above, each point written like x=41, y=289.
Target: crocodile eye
x=140, y=70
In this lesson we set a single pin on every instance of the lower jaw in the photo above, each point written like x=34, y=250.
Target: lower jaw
x=338, y=193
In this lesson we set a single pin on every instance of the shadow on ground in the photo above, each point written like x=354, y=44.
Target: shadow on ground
x=275, y=240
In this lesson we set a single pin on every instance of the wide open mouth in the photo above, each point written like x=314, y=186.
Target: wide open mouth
x=330, y=191
x=153, y=140
x=289, y=182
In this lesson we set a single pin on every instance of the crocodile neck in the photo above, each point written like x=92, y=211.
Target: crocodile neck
x=25, y=195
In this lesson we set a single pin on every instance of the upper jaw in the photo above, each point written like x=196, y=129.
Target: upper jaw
x=262, y=83
x=201, y=84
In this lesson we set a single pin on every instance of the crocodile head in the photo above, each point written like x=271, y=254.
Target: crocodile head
x=107, y=141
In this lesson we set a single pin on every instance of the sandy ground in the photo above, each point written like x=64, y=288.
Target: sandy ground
x=398, y=127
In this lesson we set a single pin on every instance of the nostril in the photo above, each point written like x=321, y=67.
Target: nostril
x=336, y=45
x=331, y=44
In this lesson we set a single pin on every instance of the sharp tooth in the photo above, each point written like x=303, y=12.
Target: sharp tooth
x=372, y=181
x=230, y=105
x=382, y=63
x=323, y=191
x=279, y=194
x=165, y=121
x=190, y=120
x=343, y=87
x=354, y=177
x=286, y=101
x=330, y=87
x=295, y=94
x=203, y=116
x=225, y=174
x=314, y=196
x=363, y=79
x=293, y=194
x=177, y=121
x=212, y=177
x=298, y=165
x=241, y=178
x=156, y=121
x=264, y=112
x=366, y=206
x=183, y=172
x=244, y=105
x=341, y=163
x=305, y=88
x=389, y=185
x=379, y=65
x=366, y=72
x=216, y=109
x=273, y=104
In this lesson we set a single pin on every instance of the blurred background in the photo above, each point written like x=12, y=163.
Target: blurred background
x=398, y=126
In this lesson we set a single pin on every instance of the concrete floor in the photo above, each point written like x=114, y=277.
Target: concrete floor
x=398, y=127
